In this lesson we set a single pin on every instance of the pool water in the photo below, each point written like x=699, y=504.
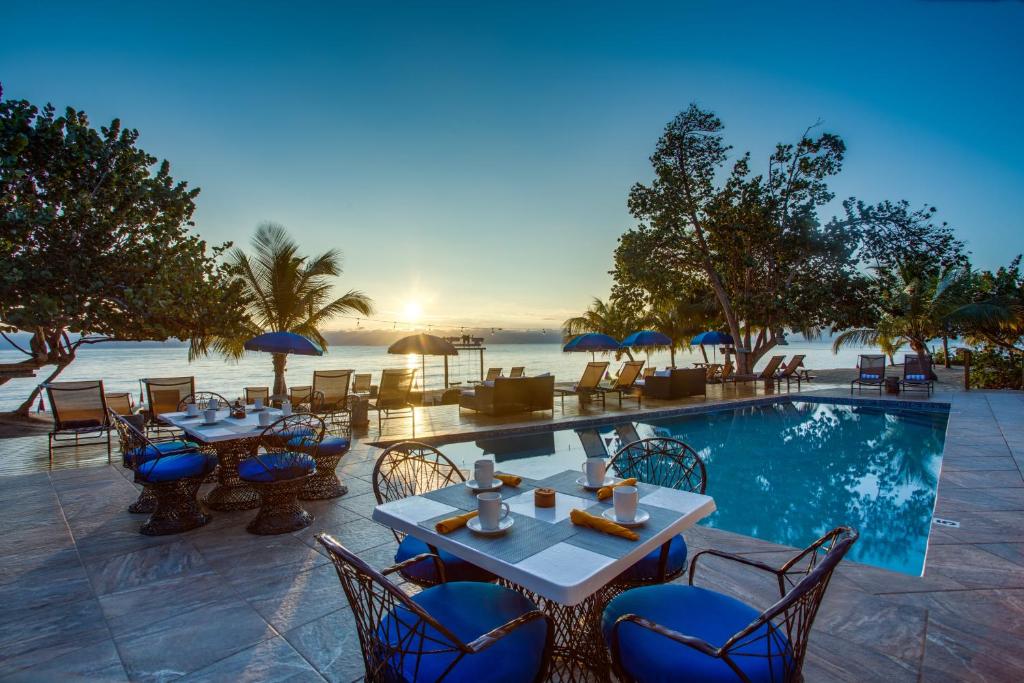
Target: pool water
x=784, y=472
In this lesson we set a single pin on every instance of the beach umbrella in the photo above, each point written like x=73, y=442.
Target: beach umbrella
x=645, y=339
x=425, y=345
x=591, y=342
x=713, y=337
x=283, y=342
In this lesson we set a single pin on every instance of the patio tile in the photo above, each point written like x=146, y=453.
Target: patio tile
x=331, y=644
x=966, y=463
x=69, y=661
x=128, y=611
x=983, y=479
x=290, y=599
x=956, y=499
x=58, y=583
x=247, y=556
x=271, y=661
x=830, y=658
x=29, y=633
x=362, y=504
x=982, y=527
x=352, y=531
x=141, y=567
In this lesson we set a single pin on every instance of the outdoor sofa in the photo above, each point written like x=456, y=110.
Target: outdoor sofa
x=510, y=395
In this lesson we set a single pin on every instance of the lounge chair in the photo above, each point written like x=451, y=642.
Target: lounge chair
x=393, y=395
x=592, y=442
x=768, y=372
x=588, y=384
x=121, y=402
x=727, y=371
x=163, y=394
x=79, y=410
x=711, y=372
x=517, y=371
x=870, y=373
x=649, y=372
x=253, y=393
x=492, y=374
x=625, y=383
x=917, y=373
x=300, y=397
x=790, y=372
x=331, y=390
x=362, y=384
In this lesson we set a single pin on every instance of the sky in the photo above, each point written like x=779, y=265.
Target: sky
x=473, y=160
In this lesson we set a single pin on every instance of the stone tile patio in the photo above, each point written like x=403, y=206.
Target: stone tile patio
x=87, y=597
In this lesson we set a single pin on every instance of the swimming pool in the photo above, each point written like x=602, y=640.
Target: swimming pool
x=785, y=471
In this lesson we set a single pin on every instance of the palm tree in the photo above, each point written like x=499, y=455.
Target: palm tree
x=613, y=318
x=286, y=292
x=680, y=321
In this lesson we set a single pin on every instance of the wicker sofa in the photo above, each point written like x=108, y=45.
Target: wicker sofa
x=680, y=382
x=509, y=395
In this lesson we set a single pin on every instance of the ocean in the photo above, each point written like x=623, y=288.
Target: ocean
x=121, y=367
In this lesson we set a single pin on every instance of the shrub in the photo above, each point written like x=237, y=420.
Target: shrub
x=996, y=369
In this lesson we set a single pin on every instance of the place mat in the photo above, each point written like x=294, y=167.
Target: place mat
x=526, y=538
x=565, y=482
x=614, y=546
x=461, y=496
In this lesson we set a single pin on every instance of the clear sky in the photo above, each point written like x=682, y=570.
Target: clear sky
x=473, y=159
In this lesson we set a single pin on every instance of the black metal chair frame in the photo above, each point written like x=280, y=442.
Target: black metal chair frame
x=802, y=583
x=927, y=384
x=385, y=405
x=149, y=384
x=94, y=433
x=373, y=597
x=279, y=511
x=637, y=460
x=860, y=383
x=175, y=508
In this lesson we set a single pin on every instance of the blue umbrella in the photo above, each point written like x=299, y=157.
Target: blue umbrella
x=592, y=342
x=284, y=342
x=645, y=339
x=713, y=337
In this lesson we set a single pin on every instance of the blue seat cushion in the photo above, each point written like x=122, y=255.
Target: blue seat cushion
x=174, y=467
x=647, y=568
x=647, y=656
x=332, y=445
x=146, y=453
x=468, y=610
x=270, y=467
x=917, y=378
x=455, y=569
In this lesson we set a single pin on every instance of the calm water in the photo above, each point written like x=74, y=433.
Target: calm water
x=785, y=472
x=121, y=367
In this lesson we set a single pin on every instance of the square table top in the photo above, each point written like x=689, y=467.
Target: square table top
x=226, y=428
x=544, y=551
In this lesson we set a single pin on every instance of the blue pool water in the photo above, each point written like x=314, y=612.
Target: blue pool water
x=784, y=472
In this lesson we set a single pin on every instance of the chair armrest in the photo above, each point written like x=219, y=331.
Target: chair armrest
x=735, y=558
x=418, y=558
x=698, y=644
x=494, y=635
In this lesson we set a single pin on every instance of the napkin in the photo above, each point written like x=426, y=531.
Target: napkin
x=508, y=479
x=601, y=524
x=606, y=491
x=446, y=526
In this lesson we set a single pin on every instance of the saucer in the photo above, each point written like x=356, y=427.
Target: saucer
x=474, y=485
x=582, y=481
x=503, y=526
x=641, y=517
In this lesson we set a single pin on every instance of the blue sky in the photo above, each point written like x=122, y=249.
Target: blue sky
x=473, y=159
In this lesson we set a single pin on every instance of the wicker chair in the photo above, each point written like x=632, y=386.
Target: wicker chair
x=173, y=473
x=870, y=373
x=280, y=472
x=324, y=483
x=163, y=395
x=672, y=464
x=393, y=395
x=674, y=632
x=450, y=632
x=79, y=410
x=146, y=502
x=202, y=400
x=409, y=469
x=253, y=393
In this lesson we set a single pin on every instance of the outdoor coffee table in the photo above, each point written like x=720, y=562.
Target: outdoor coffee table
x=562, y=567
x=232, y=440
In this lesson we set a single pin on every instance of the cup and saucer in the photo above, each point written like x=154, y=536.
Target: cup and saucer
x=493, y=516
x=639, y=519
x=594, y=476
x=624, y=510
x=483, y=472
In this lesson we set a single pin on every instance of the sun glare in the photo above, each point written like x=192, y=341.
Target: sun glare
x=413, y=311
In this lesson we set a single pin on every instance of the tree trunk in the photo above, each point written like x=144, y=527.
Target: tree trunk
x=26, y=408
x=672, y=355
x=280, y=361
x=945, y=350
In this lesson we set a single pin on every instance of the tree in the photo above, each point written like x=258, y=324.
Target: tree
x=997, y=309
x=95, y=243
x=681, y=320
x=285, y=292
x=754, y=240
x=614, y=318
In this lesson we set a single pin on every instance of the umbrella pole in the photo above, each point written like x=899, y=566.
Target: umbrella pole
x=446, y=372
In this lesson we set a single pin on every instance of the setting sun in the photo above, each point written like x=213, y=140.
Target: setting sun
x=413, y=311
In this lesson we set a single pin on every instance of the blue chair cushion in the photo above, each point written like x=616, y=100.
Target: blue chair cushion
x=332, y=445
x=270, y=467
x=870, y=375
x=917, y=378
x=146, y=453
x=647, y=656
x=647, y=568
x=174, y=467
x=455, y=569
x=468, y=610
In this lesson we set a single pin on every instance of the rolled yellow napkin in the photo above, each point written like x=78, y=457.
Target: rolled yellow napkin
x=601, y=524
x=606, y=491
x=508, y=479
x=446, y=526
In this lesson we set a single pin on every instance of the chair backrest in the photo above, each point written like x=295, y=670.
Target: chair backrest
x=410, y=468
x=803, y=581
x=361, y=383
x=630, y=374
x=917, y=368
x=121, y=402
x=395, y=386
x=593, y=443
x=394, y=632
x=492, y=374
x=330, y=387
x=163, y=394
x=518, y=371
x=727, y=371
x=592, y=375
x=202, y=399
x=773, y=366
x=300, y=394
x=288, y=439
x=78, y=405
x=648, y=372
x=711, y=371
x=794, y=363
x=253, y=393
x=872, y=367
x=663, y=462
x=136, y=448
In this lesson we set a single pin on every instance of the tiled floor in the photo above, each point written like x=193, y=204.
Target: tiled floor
x=86, y=596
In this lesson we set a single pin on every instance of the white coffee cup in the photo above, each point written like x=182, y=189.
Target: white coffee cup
x=258, y=404
x=265, y=419
x=210, y=415
x=483, y=472
x=625, y=499
x=490, y=510
x=286, y=408
x=213, y=404
x=192, y=410
x=593, y=468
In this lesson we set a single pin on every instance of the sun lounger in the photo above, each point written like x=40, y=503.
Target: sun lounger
x=711, y=372
x=870, y=373
x=592, y=442
x=393, y=395
x=917, y=373
x=625, y=383
x=492, y=374
x=588, y=384
x=79, y=410
x=768, y=372
x=790, y=372
x=518, y=371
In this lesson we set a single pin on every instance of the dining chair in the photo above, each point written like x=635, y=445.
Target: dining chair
x=202, y=400
x=676, y=632
x=146, y=502
x=663, y=462
x=79, y=410
x=172, y=471
x=163, y=395
x=324, y=483
x=253, y=393
x=449, y=632
x=408, y=469
x=280, y=472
